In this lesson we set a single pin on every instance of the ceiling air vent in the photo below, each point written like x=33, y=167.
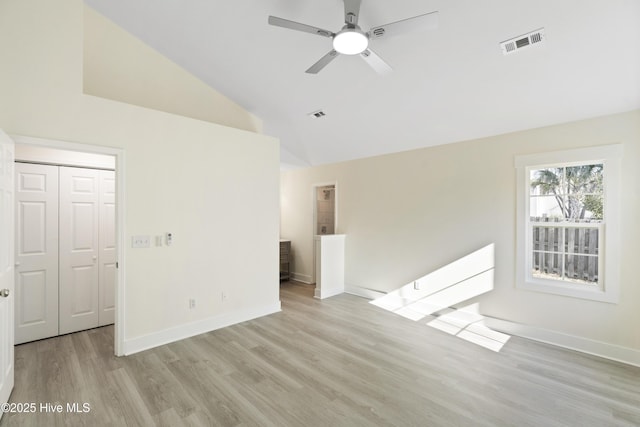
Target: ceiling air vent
x=378, y=32
x=317, y=114
x=518, y=43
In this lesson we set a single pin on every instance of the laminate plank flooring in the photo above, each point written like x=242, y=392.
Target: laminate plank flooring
x=335, y=362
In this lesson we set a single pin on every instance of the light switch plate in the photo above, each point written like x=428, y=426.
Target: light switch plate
x=140, y=241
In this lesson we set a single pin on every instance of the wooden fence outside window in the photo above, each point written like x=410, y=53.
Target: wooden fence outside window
x=566, y=252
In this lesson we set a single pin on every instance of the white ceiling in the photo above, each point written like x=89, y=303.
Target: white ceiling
x=448, y=85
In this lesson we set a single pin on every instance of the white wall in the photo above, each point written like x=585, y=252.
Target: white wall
x=408, y=214
x=201, y=181
x=119, y=66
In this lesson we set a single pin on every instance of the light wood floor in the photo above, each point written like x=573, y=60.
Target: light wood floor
x=336, y=362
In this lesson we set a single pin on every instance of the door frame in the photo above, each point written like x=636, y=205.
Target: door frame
x=119, y=155
x=314, y=216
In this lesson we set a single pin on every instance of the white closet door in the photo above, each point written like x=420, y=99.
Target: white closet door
x=107, y=241
x=79, y=249
x=36, y=252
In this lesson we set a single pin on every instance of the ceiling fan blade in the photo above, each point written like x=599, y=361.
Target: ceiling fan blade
x=351, y=11
x=428, y=21
x=292, y=25
x=315, y=68
x=376, y=62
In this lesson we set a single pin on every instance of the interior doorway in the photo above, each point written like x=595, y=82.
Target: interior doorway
x=78, y=161
x=325, y=210
x=65, y=245
x=325, y=219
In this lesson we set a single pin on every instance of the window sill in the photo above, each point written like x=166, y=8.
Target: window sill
x=558, y=287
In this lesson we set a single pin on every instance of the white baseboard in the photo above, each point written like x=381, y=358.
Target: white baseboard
x=320, y=294
x=572, y=342
x=597, y=348
x=187, y=330
x=363, y=292
x=304, y=278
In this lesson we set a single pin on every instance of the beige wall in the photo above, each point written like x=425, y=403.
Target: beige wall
x=118, y=66
x=201, y=181
x=408, y=214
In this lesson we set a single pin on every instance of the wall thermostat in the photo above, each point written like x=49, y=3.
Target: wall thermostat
x=169, y=238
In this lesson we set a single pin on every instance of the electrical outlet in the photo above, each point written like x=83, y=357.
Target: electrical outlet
x=140, y=241
x=192, y=303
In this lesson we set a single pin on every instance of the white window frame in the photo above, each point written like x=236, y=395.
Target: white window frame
x=608, y=289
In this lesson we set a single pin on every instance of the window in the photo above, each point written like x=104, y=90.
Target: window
x=568, y=222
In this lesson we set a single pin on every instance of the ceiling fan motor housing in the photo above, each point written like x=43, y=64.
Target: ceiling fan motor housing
x=351, y=40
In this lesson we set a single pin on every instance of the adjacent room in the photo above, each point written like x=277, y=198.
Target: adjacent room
x=337, y=212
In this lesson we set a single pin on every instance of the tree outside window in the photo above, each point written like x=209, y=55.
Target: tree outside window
x=566, y=210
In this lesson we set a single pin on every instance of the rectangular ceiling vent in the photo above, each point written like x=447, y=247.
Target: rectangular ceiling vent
x=518, y=43
x=378, y=32
x=317, y=114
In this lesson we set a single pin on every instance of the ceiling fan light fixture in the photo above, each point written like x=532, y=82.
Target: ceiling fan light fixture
x=350, y=41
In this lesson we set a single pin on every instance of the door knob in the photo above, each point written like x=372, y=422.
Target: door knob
x=95, y=258
x=17, y=264
x=4, y=293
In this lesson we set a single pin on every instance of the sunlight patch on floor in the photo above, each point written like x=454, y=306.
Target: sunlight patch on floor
x=469, y=327
x=449, y=286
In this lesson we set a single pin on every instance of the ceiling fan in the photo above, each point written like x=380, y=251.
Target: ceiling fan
x=351, y=40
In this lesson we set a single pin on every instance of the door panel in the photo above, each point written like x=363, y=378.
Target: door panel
x=79, y=250
x=82, y=296
x=6, y=267
x=83, y=219
x=36, y=250
x=107, y=255
x=33, y=309
x=33, y=217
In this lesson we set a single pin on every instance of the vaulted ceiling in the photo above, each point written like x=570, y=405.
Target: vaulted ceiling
x=447, y=85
